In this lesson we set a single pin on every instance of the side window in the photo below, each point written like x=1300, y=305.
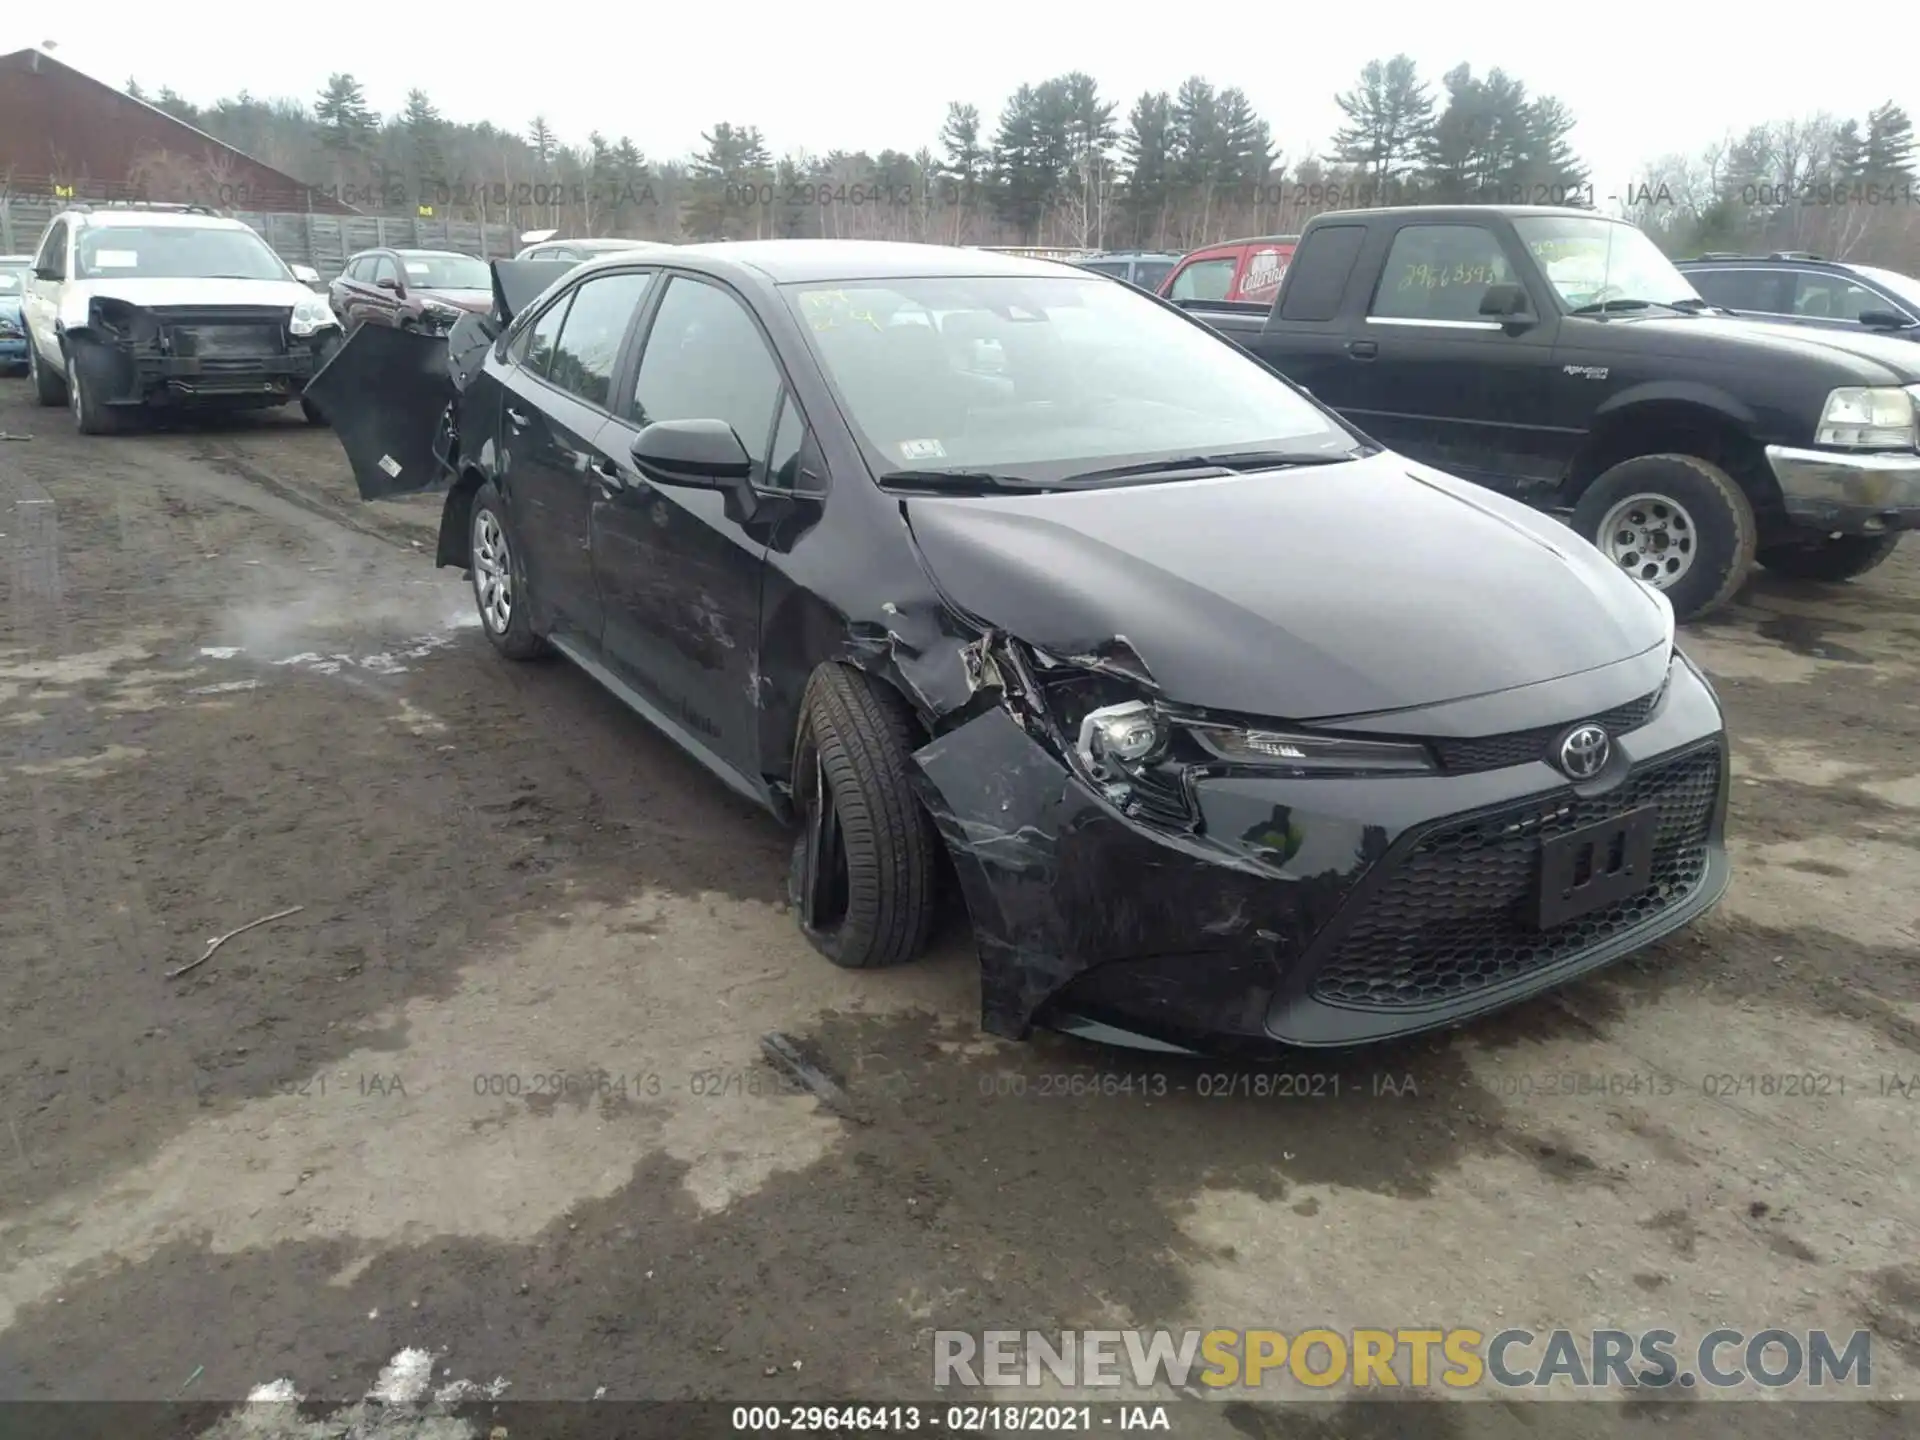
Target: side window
x=706, y=360
x=1730, y=289
x=1833, y=297
x=1320, y=272
x=1440, y=273
x=53, y=250
x=385, y=269
x=1152, y=274
x=590, y=340
x=1204, y=280
x=783, y=460
x=533, y=348
x=1115, y=268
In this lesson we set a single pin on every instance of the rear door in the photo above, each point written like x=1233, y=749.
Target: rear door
x=679, y=569
x=546, y=438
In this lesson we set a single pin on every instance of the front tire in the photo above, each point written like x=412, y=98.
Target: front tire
x=1831, y=559
x=90, y=417
x=1680, y=523
x=863, y=880
x=500, y=580
x=312, y=412
x=48, y=389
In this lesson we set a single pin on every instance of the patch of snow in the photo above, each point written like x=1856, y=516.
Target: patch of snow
x=275, y=1392
x=462, y=1391
x=404, y=1379
x=220, y=652
x=224, y=687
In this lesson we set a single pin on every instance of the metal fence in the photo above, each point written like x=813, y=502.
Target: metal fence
x=322, y=241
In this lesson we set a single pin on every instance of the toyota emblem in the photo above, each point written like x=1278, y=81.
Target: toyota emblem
x=1584, y=751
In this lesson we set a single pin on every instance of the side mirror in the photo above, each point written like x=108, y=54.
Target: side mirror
x=46, y=272
x=387, y=282
x=1504, y=302
x=1884, y=320
x=696, y=454
x=306, y=274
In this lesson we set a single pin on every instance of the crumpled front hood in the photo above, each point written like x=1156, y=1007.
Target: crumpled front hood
x=1298, y=594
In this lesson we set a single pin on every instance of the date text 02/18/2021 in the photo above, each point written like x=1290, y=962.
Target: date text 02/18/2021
x=962, y=1419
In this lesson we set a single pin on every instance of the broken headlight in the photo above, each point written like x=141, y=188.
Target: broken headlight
x=1120, y=736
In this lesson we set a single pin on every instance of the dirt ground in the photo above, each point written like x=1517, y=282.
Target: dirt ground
x=228, y=688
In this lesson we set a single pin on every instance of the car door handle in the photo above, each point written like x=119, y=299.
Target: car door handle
x=608, y=475
x=517, y=418
x=1363, y=349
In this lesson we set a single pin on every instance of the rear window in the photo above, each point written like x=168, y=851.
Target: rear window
x=1321, y=271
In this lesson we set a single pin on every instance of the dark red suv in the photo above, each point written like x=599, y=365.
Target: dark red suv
x=411, y=289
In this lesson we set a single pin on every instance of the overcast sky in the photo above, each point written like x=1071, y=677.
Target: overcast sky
x=851, y=74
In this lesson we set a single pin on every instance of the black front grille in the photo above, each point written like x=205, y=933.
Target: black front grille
x=1518, y=747
x=1453, y=915
x=1160, y=798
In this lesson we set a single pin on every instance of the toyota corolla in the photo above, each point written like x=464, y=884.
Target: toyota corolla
x=1232, y=726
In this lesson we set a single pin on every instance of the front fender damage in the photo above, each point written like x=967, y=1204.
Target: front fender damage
x=1059, y=881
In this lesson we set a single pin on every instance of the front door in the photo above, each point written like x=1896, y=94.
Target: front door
x=41, y=303
x=1427, y=374
x=680, y=569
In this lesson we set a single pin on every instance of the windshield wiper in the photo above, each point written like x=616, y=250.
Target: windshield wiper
x=1237, y=463
x=1602, y=307
x=963, y=481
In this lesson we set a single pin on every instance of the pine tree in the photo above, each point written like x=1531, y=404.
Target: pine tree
x=346, y=124
x=1389, y=124
x=1147, y=161
x=1890, y=145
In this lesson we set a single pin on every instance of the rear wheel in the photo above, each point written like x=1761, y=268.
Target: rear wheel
x=1832, y=558
x=863, y=879
x=1680, y=523
x=499, y=580
x=48, y=388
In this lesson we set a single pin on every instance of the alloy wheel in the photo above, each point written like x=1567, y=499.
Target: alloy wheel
x=1651, y=537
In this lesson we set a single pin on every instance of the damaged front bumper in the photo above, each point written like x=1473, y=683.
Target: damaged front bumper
x=1250, y=911
x=181, y=356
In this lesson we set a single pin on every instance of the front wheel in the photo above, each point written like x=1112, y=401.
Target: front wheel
x=862, y=880
x=499, y=580
x=1832, y=558
x=1680, y=523
x=312, y=412
x=90, y=417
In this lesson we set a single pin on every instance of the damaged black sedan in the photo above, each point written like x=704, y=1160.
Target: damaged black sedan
x=1235, y=728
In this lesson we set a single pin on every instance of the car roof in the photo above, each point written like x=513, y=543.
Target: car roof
x=1462, y=214
x=153, y=219
x=1769, y=262
x=800, y=262
x=435, y=254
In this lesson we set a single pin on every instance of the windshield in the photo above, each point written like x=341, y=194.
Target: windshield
x=1591, y=261
x=1904, y=286
x=176, y=252
x=13, y=282
x=446, y=272
x=1043, y=378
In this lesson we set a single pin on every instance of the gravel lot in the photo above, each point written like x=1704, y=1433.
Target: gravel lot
x=227, y=688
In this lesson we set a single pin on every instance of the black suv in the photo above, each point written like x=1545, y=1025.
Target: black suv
x=1805, y=289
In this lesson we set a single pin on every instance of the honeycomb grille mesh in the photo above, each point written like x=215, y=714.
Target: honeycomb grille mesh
x=1453, y=916
x=1519, y=747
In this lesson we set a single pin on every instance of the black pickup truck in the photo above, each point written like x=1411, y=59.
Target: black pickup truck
x=1559, y=357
